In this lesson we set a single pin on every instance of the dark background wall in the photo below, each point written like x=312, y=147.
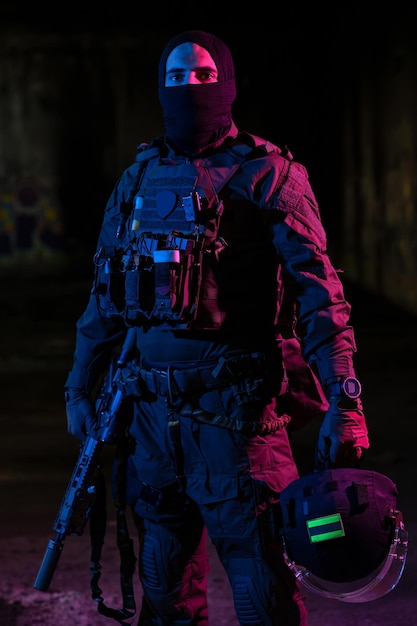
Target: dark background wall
x=78, y=93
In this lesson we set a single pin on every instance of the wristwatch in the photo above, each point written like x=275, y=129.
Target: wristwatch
x=349, y=386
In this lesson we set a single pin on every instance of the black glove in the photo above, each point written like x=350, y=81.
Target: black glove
x=343, y=434
x=81, y=415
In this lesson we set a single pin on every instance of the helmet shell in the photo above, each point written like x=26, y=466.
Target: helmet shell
x=339, y=524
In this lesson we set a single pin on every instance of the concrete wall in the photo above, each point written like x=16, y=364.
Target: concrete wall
x=75, y=103
x=378, y=234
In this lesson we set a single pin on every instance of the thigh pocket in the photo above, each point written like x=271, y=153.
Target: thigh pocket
x=224, y=509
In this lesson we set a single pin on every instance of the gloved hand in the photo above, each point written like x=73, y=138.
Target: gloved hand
x=81, y=415
x=343, y=434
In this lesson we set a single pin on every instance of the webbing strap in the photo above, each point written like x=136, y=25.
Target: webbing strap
x=98, y=522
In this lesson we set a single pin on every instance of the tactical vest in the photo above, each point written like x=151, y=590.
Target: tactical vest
x=170, y=241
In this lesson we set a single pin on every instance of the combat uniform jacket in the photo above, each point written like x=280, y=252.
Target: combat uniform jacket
x=249, y=216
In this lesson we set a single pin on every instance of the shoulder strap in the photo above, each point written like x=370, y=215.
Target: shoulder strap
x=145, y=153
x=148, y=151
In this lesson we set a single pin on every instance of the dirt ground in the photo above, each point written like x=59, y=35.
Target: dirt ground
x=37, y=456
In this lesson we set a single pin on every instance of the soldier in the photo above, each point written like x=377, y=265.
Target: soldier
x=204, y=237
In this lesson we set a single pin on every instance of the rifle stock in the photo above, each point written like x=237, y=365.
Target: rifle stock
x=81, y=491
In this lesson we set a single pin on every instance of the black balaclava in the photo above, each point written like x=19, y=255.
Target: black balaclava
x=198, y=117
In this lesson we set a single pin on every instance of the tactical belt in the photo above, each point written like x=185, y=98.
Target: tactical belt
x=174, y=381
x=179, y=382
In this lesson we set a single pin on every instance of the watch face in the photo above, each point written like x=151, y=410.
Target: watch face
x=351, y=387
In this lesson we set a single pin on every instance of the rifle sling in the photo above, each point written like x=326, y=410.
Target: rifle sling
x=98, y=522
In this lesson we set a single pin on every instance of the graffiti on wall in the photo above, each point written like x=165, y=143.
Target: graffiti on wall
x=31, y=229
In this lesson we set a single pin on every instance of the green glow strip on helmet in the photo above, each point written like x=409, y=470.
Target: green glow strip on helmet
x=325, y=528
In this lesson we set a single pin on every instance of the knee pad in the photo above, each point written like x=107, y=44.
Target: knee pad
x=161, y=558
x=249, y=607
x=153, y=564
x=262, y=599
x=173, y=576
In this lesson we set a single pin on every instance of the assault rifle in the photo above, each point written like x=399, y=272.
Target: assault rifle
x=83, y=489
